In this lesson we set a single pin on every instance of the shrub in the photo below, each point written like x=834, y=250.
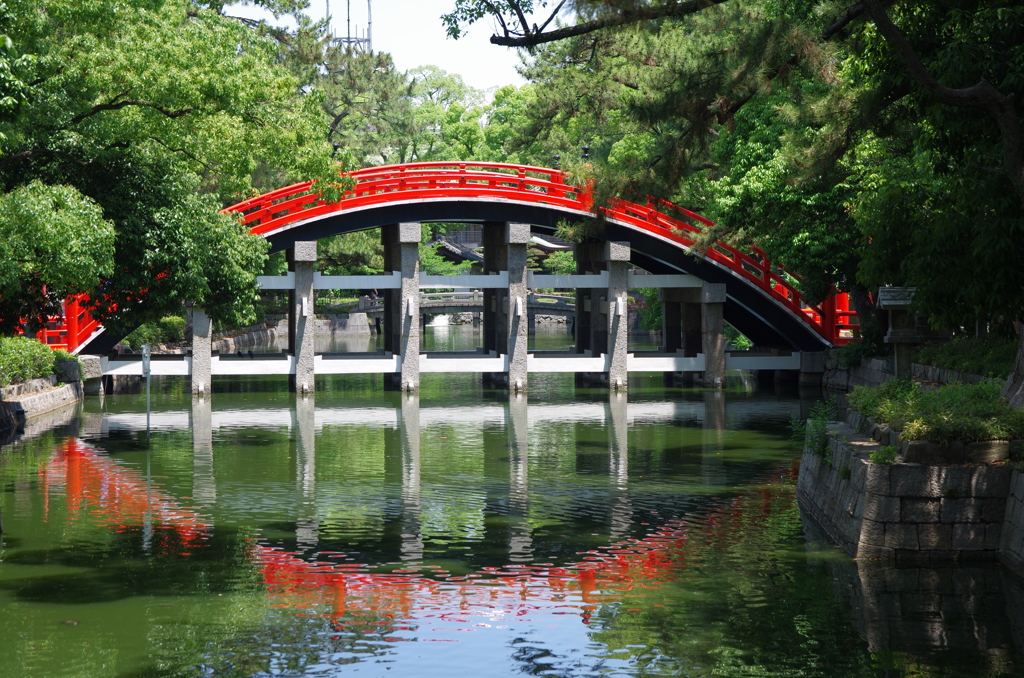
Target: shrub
x=22, y=359
x=991, y=356
x=62, y=356
x=953, y=412
x=885, y=455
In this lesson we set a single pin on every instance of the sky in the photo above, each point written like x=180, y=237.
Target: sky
x=412, y=32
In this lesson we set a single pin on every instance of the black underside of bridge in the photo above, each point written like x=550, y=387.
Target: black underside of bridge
x=764, y=322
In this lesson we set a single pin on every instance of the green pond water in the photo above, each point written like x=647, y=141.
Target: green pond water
x=457, y=532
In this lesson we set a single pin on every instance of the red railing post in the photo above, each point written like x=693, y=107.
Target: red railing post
x=71, y=311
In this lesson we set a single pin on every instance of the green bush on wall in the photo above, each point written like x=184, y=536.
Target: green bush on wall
x=23, y=359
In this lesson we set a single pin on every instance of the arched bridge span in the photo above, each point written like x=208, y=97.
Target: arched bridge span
x=760, y=302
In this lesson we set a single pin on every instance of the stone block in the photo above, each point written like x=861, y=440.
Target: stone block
x=991, y=481
x=409, y=232
x=518, y=234
x=914, y=510
x=872, y=532
x=993, y=536
x=994, y=511
x=876, y=480
x=882, y=509
x=956, y=452
x=918, y=604
x=913, y=481
x=923, y=452
x=620, y=251
x=901, y=536
x=882, y=434
x=987, y=451
x=968, y=536
x=713, y=293
x=91, y=367
x=935, y=537
x=955, y=481
x=962, y=510
x=305, y=250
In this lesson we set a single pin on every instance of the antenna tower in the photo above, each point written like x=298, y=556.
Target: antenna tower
x=355, y=42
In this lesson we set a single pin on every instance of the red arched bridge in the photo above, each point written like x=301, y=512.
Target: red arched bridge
x=761, y=303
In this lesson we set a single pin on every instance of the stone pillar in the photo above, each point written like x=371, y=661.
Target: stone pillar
x=402, y=307
x=671, y=323
x=617, y=258
x=517, y=237
x=713, y=334
x=301, y=316
x=202, y=353
x=812, y=368
x=409, y=430
x=307, y=524
x=495, y=261
x=204, y=485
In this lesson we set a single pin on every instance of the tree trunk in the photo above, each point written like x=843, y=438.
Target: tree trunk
x=1013, y=389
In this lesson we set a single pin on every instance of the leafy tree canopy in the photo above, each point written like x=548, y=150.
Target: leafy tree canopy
x=160, y=112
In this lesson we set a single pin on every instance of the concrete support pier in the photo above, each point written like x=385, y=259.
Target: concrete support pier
x=517, y=327
x=301, y=316
x=402, y=306
x=202, y=353
x=617, y=308
x=712, y=306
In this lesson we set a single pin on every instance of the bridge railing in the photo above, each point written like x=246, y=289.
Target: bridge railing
x=376, y=185
x=69, y=330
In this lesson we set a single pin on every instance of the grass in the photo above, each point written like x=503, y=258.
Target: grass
x=991, y=356
x=954, y=412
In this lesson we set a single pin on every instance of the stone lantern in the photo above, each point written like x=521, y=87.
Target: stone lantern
x=902, y=334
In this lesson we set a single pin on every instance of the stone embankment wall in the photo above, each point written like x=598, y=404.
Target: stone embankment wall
x=21, y=402
x=875, y=371
x=908, y=512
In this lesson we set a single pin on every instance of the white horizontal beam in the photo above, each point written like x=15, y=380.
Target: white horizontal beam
x=280, y=364
x=277, y=282
x=385, y=281
x=389, y=364
x=472, y=364
x=673, y=281
x=481, y=282
x=586, y=280
x=665, y=363
x=157, y=368
x=762, y=362
x=564, y=363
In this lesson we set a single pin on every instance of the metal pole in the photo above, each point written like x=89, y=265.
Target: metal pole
x=145, y=375
x=348, y=24
x=369, y=25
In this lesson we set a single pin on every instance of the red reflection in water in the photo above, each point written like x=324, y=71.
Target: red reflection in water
x=404, y=599
x=97, y=486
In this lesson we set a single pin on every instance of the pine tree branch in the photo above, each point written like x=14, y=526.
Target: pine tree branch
x=611, y=20
x=982, y=95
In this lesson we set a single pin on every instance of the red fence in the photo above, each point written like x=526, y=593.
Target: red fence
x=70, y=330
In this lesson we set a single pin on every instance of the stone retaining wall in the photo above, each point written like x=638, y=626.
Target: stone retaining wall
x=904, y=512
x=875, y=371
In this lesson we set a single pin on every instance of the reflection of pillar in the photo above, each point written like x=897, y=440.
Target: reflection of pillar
x=409, y=431
x=712, y=466
x=202, y=346
x=617, y=426
x=204, y=487
x=307, y=526
x=302, y=316
x=520, y=544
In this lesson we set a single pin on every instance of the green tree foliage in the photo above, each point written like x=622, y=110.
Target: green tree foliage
x=55, y=243
x=160, y=112
x=858, y=146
